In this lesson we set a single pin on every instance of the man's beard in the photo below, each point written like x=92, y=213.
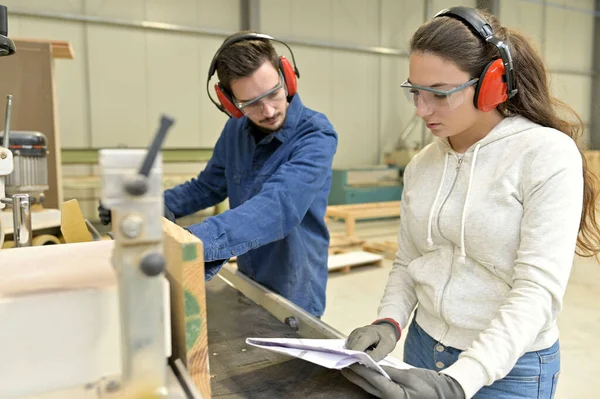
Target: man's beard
x=268, y=130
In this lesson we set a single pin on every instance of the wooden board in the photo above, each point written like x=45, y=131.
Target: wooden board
x=60, y=48
x=346, y=261
x=185, y=272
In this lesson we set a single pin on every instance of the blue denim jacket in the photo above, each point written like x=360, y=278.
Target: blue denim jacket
x=277, y=193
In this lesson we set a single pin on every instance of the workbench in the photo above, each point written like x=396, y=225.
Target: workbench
x=242, y=371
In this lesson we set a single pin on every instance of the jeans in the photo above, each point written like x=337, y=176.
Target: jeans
x=534, y=376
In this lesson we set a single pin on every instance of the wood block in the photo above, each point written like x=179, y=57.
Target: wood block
x=185, y=272
x=72, y=225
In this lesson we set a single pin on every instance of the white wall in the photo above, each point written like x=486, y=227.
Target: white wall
x=563, y=32
x=122, y=78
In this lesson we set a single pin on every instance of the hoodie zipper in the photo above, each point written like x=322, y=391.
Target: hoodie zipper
x=440, y=306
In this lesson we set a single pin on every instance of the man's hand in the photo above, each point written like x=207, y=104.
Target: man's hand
x=377, y=340
x=414, y=383
x=105, y=217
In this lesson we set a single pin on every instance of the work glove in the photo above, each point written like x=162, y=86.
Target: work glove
x=105, y=217
x=104, y=214
x=414, y=383
x=377, y=340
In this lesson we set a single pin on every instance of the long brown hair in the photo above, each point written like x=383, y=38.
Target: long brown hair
x=454, y=41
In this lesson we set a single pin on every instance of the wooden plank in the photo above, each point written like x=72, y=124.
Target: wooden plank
x=56, y=268
x=60, y=48
x=185, y=272
x=346, y=261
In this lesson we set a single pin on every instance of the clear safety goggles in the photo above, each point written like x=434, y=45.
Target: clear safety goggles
x=435, y=98
x=271, y=98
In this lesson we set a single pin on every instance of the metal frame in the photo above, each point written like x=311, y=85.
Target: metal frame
x=283, y=310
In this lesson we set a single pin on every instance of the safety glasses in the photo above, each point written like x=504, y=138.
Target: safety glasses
x=271, y=97
x=435, y=98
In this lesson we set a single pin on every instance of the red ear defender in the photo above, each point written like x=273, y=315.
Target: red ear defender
x=288, y=75
x=491, y=89
x=228, y=106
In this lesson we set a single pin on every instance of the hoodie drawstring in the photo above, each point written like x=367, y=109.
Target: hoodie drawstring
x=463, y=252
x=437, y=197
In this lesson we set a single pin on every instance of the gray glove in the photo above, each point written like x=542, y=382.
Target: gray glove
x=105, y=217
x=377, y=340
x=413, y=383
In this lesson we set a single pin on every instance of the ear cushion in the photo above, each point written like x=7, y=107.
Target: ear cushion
x=491, y=89
x=288, y=75
x=226, y=103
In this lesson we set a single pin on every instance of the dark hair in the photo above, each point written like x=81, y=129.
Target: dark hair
x=241, y=59
x=456, y=42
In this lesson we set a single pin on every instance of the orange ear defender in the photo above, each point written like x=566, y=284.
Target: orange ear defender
x=225, y=101
x=497, y=82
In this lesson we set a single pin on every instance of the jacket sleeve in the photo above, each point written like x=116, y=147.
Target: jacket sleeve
x=400, y=298
x=552, y=204
x=208, y=189
x=279, y=207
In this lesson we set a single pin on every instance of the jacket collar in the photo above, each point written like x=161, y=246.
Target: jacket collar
x=292, y=117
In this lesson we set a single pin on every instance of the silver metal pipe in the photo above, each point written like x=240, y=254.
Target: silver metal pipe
x=165, y=26
x=6, y=140
x=22, y=232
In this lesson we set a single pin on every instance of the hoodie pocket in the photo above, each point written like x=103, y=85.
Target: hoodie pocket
x=497, y=270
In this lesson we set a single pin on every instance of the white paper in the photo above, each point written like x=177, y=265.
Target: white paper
x=330, y=353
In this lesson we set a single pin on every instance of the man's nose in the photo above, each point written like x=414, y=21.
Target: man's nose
x=268, y=110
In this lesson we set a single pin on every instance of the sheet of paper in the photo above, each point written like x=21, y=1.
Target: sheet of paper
x=330, y=353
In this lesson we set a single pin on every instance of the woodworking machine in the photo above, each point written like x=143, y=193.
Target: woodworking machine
x=75, y=332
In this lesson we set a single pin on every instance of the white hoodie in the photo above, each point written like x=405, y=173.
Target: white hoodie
x=486, y=245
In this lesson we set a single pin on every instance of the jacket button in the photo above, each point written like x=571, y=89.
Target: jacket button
x=233, y=251
x=439, y=365
x=439, y=348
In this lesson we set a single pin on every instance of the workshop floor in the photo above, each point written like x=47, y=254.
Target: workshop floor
x=579, y=321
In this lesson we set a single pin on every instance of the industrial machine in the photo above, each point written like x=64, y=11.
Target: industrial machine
x=19, y=200
x=358, y=185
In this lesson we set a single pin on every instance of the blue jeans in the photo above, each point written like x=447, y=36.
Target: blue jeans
x=534, y=376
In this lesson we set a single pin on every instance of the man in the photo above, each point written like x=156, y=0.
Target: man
x=273, y=161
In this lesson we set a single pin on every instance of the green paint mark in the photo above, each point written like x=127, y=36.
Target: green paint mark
x=192, y=332
x=192, y=308
x=188, y=252
x=193, y=318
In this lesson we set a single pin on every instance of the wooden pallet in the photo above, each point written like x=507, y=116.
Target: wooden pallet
x=372, y=210
x=386, y=248
x=341, y=243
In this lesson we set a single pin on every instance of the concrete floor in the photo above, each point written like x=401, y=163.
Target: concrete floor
x=579, y=321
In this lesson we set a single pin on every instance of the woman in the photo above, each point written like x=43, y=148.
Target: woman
x=492, y=213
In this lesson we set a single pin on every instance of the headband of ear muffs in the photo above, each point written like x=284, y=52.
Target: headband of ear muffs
x=225, y=101
x=497, y=82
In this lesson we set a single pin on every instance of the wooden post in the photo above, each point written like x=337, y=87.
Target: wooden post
x=185, y=270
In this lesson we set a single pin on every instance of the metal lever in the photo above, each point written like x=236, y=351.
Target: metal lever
x=139, y=184
x=6, y=140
